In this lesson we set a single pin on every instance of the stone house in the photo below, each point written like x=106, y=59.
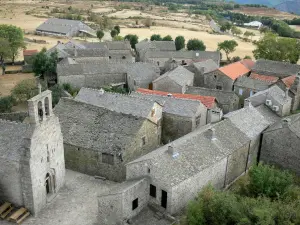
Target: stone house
x=273, y=98
x=175, y=80
x=280, y=144
x=275, y=68
x=32, y=157
x=180, y=116
x=28, y=55
x=101, y=140
x=227, y=100
x=201, y=68
x=175, y=173
x=161, y=57
x=224, y=77
x=97, y=75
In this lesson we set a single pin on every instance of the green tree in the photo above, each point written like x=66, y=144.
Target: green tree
x=117, y=28
x=113, y=33
x=277, y=48
x=236, y=31
x=247, y=57
x=118, y=38
x=6, y=103
x=263, y=29
x=248, y=34
x=133, y=39
x=228, y=47
x=25, y=90
x=44, y=63
x=225, y=26
x=196, y=45
x=14, y=35
x=156, y=37
x=100, y=34
x=4, y=49
x=179, y=42
x=167, y=38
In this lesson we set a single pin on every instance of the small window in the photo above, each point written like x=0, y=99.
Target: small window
x=134, y=83
x=240, y=91
x=135, y=203
x=158, y=63
x=152, y=191
x=149, y=170
x=215, y=76
x=252, y=92
x=48, y=156
x=108, y=158
x=143, y=140
x=218, y=87
x=123, y=57
x=152, y=112
x=109, y=57
x=198, y=119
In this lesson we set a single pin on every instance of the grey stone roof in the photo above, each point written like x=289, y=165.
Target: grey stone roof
x=254, y=84
x=143, y=71
x=116, y=102
x=61, y=50
x=157, y=45
x=206, y=66
x=90, y=52
x=67, y=60
x=275, y=68
x=223, y=97
x=267, y=113
x=122, y=187
x=118, y=45
x=293, y=123
x=88, y=45
x=11, y=139
x=96, y=128
x=196, y=152
x=195, y=55
x=171, y=105
x=180, y=75
x=249, y=121
x=62, y=26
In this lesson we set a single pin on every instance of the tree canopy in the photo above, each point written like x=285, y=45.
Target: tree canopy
x=167, y=38
x=179, y=42
x=236, y=31
x=225, y=26
x=117, y=28
x=277, y=48
x=44, y=63
x=155, y=37
x=133, y=39
x=15, y=38
x=113, y=33
x=196, y=45
x=100, y=34
x=228, y=47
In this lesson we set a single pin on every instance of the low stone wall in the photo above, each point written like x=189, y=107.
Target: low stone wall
x=15, y=116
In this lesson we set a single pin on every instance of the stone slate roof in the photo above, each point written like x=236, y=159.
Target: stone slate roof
x=221, y=96
x=196, y=152
x=234, y=70
x=208, y=101
x=206, y=66
x=293, y=124
x=122, y=187
x=250, y=83
x=158, y=45
x=116, y=102
x=249, y=121
x=179, y=75
x=61, y=50
x=267, y=113
x=269, y=79
x=143, y=71
x=199, y=55
x=90, y=52
x=67, y=60
x=275, y=68
x=118, y=45
x=63, y=26
x=11, y=139
x=171, y=105
x=96, y=128
x=92, y=45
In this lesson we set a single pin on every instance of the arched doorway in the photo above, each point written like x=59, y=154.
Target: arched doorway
x=48, y=184
x=47, y=110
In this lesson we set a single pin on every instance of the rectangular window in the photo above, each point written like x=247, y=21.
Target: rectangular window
x=218, y=87
x=135, y=203
x=143, y=141
x=240, y=91
x=152, y=191
x=108, y=158
x=152, y=112
x=251, y=93
x=198, y=118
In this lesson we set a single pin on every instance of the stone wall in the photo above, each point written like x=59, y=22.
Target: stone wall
x=281, y=147
x=14, y=116
x=217, y=78
x=189, y=189
x=167, y=85
x=110, y=209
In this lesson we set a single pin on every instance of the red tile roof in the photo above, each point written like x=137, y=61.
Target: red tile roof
x=288, y=81
x=248, y=63
x=29, y=52
x=234, y=70
x=208, y=101
x=269, y=79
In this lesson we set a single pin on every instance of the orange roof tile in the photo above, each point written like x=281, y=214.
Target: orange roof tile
x=208, y=101
x=288, y=81
x=234, y=70
x=29, y=52
x=248, y=63
x=269, y=79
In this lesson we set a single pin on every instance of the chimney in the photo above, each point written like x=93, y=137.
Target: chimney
x=101, y=91
x=171, y=151
x=286, y=122
x=247, y=103
x=169, y=95
x=212, y=134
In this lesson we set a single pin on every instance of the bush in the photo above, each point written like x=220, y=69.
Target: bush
x=25, y=90
x=196, y=45
x=113, y=33
x=6, y=103
x=133, y=39
x=167, y=38
x=179, y=42
x=155, y=37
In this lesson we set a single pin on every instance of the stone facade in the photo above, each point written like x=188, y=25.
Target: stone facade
x=33, y=178
x=217, y=80
x=280, y=144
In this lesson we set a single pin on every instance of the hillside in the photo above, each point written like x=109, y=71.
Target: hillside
x=289, y=6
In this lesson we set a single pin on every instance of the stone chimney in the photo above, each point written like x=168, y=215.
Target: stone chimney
x=247, y=103
x=212, y=134
x=101, y=91
x=171, y=151
x=286, y=122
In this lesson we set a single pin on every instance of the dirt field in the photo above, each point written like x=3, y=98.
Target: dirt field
x=210, y=40
x=9, y=81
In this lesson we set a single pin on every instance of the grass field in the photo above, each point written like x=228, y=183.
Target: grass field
x=9, y=81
